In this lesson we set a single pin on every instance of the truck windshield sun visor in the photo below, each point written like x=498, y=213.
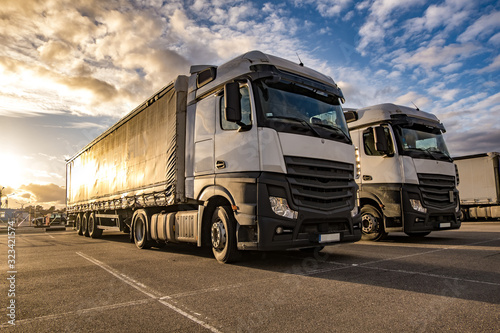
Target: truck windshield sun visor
x=292, y=107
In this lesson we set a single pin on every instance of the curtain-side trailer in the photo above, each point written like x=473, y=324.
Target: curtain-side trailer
x=479, y=185
x=252, y=155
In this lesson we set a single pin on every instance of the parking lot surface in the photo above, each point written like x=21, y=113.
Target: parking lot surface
x=447, y=281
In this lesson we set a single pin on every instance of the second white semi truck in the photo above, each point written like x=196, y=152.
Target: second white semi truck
x=254, y=154
x=408, y=180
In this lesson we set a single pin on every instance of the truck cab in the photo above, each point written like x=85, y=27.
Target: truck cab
x=408, y=181
x=273, y=143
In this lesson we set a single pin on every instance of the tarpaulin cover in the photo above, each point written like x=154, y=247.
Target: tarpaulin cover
x=141, y=155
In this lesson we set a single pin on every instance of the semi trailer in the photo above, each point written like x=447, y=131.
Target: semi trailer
x=408, y=180
x=479, y=185
x=254, y=154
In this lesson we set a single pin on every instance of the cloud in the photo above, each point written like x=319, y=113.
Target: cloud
x=374, y=30
x=451, y=14
x=432, y=56
x=491, y=67
x=439, y=91
x=412, y=98
x=483, y=27
x=326, y=8
x=49, y=194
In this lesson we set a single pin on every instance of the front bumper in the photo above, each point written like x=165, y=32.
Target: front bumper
x=312, y=228
x=436, y=218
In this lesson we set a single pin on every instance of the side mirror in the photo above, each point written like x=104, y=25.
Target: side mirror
x=381, y=143
x=232, y=110
x=350, y=116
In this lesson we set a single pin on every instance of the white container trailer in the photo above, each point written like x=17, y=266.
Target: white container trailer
x=252, y=155
x=479, y=185
x=408, y=179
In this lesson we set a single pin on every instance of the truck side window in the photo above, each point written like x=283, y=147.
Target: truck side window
x=369, y=143
x=246, y=111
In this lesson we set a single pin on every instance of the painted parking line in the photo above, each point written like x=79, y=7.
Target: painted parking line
x=148, y=292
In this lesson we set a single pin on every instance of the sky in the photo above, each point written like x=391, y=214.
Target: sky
x=69, y=69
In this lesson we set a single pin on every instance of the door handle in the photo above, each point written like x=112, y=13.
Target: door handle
x=220, y=164
x=367, y=177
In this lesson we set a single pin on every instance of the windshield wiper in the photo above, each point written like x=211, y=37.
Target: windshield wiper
x=336, y=129
x=302, y=121
x=430, y=152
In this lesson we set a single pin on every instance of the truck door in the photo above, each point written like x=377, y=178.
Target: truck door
x=236, y=147
x=378, y=167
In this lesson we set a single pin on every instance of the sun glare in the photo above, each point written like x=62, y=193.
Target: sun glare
x=11, y=170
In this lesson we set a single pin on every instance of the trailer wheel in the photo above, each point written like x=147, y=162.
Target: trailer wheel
x=372, y=224
x=79, y=229
x=223, y=235
x=94, y=232
x=140, y=231
x=85, y=225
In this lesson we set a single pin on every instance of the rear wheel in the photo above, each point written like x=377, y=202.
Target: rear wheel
x=78, y=222
x=372, y=224
x=94, y=232
x=223, y=235
x=85, y=225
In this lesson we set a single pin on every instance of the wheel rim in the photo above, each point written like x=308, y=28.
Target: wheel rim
x=91, y=224
x=369, y=223
x=218, y=235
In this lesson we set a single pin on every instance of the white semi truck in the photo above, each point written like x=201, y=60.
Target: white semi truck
x=479, y=185
x=252, y=155
x=408, y=180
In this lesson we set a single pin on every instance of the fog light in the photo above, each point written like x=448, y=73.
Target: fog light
x=417, y=205
x=279, y=230
x=280, y=207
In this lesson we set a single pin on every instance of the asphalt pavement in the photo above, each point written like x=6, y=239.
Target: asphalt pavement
x=61, y=282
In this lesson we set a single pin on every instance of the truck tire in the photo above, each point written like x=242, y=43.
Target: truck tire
x=372, y=224
x=94, y=232
x=85, y=225
x=78, y=222
x=223, y=235
x=140, y=231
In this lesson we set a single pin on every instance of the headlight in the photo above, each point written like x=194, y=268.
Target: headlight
x=354, y=212
x=417, y=205
x=280, y=207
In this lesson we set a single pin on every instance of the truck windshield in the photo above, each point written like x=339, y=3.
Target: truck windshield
x=423, y=142
x=293, y=108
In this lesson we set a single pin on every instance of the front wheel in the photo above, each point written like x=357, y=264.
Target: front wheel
x=223, y=235
x=372, y=224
